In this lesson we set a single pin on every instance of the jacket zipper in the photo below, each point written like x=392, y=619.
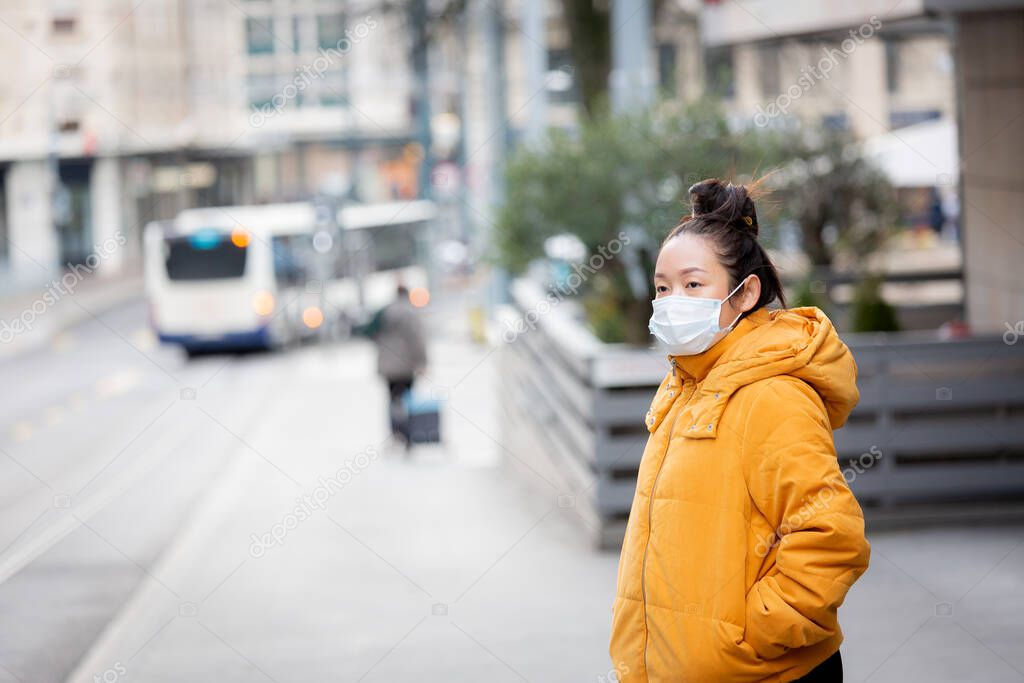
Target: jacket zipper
x=650, y=517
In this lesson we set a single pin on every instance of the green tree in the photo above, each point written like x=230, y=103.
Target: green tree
x=841, y=202
x=845, y=209
x=630, y=170
x=589, y=25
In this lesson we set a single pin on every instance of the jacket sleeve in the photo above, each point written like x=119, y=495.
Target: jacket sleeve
x=793, y=477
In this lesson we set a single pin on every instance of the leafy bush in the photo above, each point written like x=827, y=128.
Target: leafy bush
x=871, y=312
x=628, y=172
x=631, y=173
x=841, y=202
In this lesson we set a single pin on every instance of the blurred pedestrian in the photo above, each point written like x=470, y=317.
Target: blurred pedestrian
x=743, y=538
x=936, y=216
x=401, y=355
x=951, y=216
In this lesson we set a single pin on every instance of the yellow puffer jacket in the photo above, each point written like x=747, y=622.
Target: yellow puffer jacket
x=743, y=538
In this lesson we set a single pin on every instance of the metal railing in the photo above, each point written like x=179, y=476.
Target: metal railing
x=938, y=422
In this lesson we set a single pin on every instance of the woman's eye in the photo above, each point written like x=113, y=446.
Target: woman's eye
x=661, y=289
x=693, y=284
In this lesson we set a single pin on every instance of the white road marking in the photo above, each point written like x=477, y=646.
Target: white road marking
x=62, y=342
x=22, y=431
x=53, y=415
x=143, y=339
x=149, y=600
x=21, y=555
x=147, y=604
x=117, y=383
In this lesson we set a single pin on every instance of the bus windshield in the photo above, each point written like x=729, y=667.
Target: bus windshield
x=293, y=258
x=204, y=256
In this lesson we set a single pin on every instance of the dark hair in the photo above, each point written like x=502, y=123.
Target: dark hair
x=725, y=214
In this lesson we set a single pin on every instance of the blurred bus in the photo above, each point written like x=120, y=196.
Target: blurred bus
x=382, y=244
x=265, y=276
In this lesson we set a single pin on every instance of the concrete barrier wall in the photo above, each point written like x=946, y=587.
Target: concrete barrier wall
x=938, y=422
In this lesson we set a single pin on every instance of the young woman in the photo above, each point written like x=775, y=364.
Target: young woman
x=743, y=538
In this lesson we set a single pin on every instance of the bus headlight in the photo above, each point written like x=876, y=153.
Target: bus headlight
x=263, y=302
x=313, y=317
x=240, y=237
x=419, y=296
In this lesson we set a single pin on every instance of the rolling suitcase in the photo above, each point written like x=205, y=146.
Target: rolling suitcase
x=423, y=417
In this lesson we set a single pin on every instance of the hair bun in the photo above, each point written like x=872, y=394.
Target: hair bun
x=731, y=204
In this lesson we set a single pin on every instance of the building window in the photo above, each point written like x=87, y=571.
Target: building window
x=261, y=90
x=838, y=121
x=330, y=30
x=892, y=65
x=4, y=249
x=65, y=16
x=296, y=35
x=259, y=36
x=332, y=89
x=899, y=119
x=63, y=25
x=559, y=81
x=667, y=68
x=768, y=67
x=718, y=71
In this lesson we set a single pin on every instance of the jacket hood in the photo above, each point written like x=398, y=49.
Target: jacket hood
x=799, y=342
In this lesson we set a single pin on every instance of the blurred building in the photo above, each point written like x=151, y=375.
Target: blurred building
x=981, y=87
x=840, y=65
x=143, y=109
x=676, y=60
x=898, y=73
x=932, y=87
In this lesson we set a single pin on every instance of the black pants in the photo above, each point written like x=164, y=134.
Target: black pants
x=829, y=671
x=396, y=389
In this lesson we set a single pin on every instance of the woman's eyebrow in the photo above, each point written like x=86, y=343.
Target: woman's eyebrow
x=682, y=271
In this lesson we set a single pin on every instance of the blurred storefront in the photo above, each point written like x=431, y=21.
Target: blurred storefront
x=980, y=88
x=131, y=112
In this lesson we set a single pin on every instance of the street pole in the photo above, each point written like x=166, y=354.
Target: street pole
x=632, y=90
x=421, y=92
x=532, y=37
x=632, y=76
x=499, y=124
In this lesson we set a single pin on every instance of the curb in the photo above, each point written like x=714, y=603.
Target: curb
x=103, y=296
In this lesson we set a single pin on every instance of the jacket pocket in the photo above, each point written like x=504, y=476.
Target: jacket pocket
x=737, y=660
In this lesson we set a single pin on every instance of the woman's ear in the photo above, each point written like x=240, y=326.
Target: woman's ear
x=750, y=293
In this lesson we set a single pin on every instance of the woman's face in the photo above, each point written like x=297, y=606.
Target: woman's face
x=688, y=266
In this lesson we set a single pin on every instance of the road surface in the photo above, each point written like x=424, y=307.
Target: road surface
x=244, y=518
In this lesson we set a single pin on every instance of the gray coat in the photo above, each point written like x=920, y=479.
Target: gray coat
x=401, y=349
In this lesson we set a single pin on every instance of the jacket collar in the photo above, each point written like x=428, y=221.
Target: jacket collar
x=700, y=418
x=699, y=365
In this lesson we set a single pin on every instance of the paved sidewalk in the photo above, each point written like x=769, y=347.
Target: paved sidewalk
x=442, y=566
x=31, y=318
x=450, y=566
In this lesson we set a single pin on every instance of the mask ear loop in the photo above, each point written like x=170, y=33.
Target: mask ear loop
x=741, y=284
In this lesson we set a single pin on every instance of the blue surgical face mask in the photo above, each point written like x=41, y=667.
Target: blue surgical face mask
x=688, y=325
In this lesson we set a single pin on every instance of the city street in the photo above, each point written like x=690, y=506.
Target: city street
x=242, y=518
x=650, y=278
x=135, y=482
